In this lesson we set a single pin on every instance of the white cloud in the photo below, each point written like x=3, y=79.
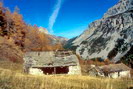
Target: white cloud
x=54, y=15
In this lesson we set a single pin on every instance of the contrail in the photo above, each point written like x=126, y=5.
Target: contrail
x=54, y=15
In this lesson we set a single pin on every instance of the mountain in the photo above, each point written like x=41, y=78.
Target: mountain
x=57, y=39
x=43, y=30
x=54, y=39
x=110, y=37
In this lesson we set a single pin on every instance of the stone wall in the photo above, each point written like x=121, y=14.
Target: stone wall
x=125, y=74
x=74, y=70
x=35, y=71
x=120, y=75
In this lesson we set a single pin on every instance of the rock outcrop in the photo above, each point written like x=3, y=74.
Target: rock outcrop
x=110, y=37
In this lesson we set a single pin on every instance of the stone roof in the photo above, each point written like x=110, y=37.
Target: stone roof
x=111, y=68
x=50, y=59
x=115, y=67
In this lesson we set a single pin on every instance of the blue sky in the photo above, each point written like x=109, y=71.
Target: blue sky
x=67, y=18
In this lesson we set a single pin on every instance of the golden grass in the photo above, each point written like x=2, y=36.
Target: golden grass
x=17, y=67
x=12, y=78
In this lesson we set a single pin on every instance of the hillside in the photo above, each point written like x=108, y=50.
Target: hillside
x=110, y=37
x=18, y=37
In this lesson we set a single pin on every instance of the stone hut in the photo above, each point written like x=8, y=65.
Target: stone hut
x=112, y=71
x=51, y=62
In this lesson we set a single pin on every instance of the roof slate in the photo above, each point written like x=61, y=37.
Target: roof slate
x=115, y=67
x=51, y=59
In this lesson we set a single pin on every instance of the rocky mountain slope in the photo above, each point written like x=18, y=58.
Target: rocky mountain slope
x=54, y=39
x=110, y=37
x=57, y=39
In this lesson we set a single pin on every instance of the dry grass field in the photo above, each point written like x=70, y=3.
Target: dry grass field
x=13, y=78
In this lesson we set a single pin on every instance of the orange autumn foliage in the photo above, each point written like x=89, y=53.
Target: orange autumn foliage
x=21, y=37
